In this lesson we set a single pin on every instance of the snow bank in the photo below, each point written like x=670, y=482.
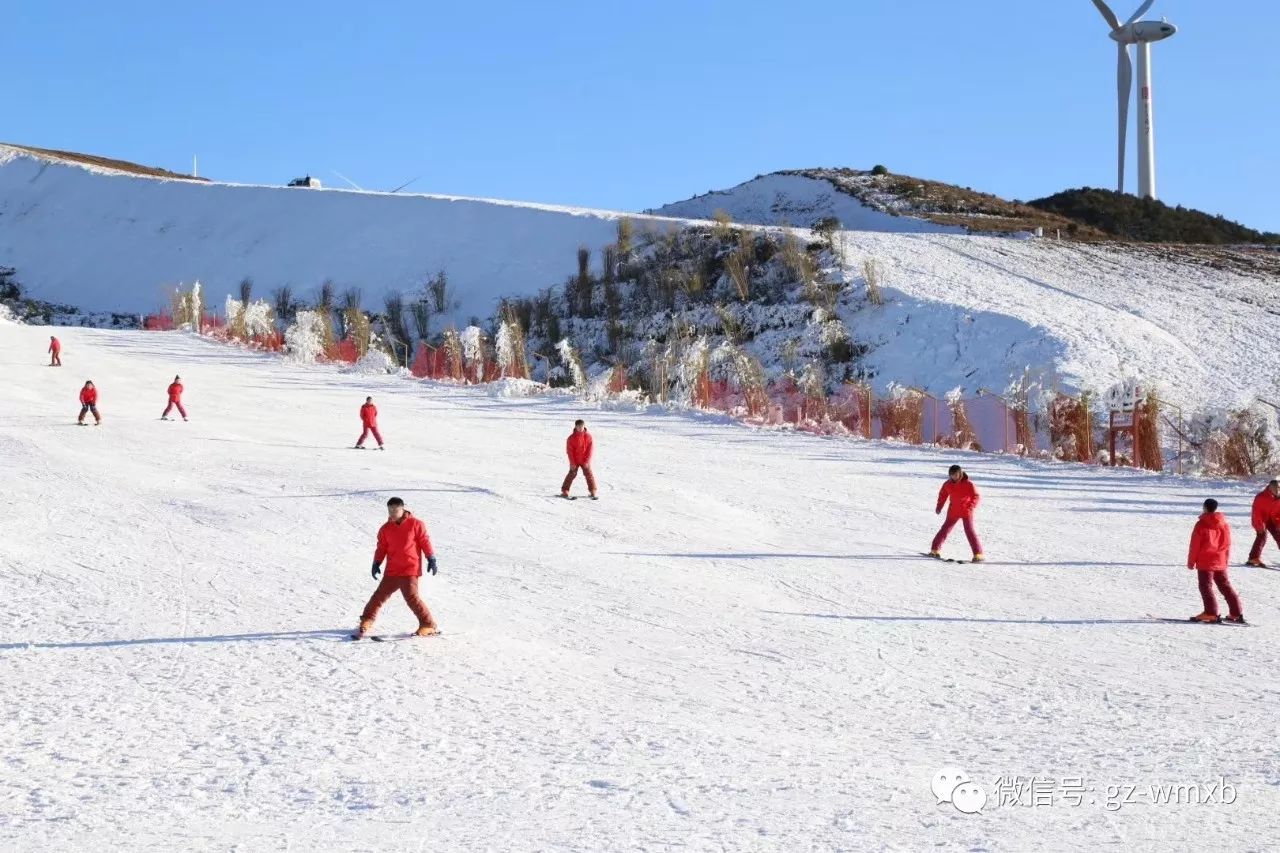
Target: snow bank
x=375, y=363
x=517, y=388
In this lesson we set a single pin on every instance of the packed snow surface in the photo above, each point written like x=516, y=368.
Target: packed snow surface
x=737, y=648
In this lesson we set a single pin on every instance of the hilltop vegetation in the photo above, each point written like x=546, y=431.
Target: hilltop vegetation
x=1147, y=220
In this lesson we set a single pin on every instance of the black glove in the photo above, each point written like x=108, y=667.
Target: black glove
x=377, y=569
x=431, y=565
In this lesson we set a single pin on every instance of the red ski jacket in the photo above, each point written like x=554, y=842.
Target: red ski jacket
x=175, y=392
x=963, y=496
x=89, y=396
x=403, y=545
x=55, y=345
x=369, y=414
x=1266, y=510
x=1210, y=543
x=579, y=447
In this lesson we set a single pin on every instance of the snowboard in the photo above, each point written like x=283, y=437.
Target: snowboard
x=1190, y=622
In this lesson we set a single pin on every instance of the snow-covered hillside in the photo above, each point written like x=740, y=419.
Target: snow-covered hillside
x=134, y=237
x=976, y=311
x=799, y=201
x=737, y=648
x=963, y=311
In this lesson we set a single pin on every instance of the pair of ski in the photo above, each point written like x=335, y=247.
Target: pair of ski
x=947, y=559
x=574, y=497
x=387, y=638
x=1198, y=622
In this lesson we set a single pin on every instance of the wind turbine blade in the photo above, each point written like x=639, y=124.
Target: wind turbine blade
x=1124, y=90
x=348, y=180
x=1142, y=10
x=1112, y=20
x=405, y=184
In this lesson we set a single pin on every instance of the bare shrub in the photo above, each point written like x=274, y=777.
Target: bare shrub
x=901, y=415
x=871, y=274
x=723, y=228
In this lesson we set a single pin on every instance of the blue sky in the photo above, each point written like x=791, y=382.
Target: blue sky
x=630, y=106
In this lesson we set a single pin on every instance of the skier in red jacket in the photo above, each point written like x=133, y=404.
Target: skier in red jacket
x=1209, y=555
x=1266, y=519
x=369, y=419
x=963, y=495
x=55, y=352
x=403, y=542
x=175, y=399
x=579, y=447
x=89, y=403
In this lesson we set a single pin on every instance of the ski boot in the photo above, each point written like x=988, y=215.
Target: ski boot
x=979, y=558
x=1257, y=564
x=1236, y=620
x=366, y=625
x=426, y=631
x=1207, y=618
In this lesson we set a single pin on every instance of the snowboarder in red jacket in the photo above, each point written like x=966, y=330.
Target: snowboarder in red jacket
x=89, y=403
x=175, y=399
x=369, y=420
x=1209, y=555
x=1266, y=519
x=963, y=495
x=403, y=542
x=55, y=352
x=579, y=447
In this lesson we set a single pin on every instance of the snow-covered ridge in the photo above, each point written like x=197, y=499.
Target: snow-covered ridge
x=800, y=201
x=137, y=236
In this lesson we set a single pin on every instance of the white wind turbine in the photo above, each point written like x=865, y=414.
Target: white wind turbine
x=1142, y=34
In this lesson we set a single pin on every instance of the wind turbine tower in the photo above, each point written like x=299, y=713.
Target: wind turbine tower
x=1140, y=34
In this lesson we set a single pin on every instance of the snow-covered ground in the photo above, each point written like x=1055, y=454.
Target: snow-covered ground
x=737, y=648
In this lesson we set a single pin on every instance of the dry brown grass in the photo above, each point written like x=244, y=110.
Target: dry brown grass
x=107, y=163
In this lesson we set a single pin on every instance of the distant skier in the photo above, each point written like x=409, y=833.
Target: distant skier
x=1209, y=555
x=369, y=419
x=1266, y=519
x=55, y=352
x=579, y=447
x=175, y=399
x=963, y=495
x=403, y=542
x=89, y=403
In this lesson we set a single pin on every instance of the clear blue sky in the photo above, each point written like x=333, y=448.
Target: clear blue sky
x=628, y=106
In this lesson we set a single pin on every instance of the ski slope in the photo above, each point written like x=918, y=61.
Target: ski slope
x=736, y=648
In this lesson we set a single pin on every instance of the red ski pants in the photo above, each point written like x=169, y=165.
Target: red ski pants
x=573, y=473
x=377, y=436
x=169, y=408
x=969, y=532
x=389, y=586
x=55, y=359
x=1207, y=580
x=91, y=407
x=1255, y=553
